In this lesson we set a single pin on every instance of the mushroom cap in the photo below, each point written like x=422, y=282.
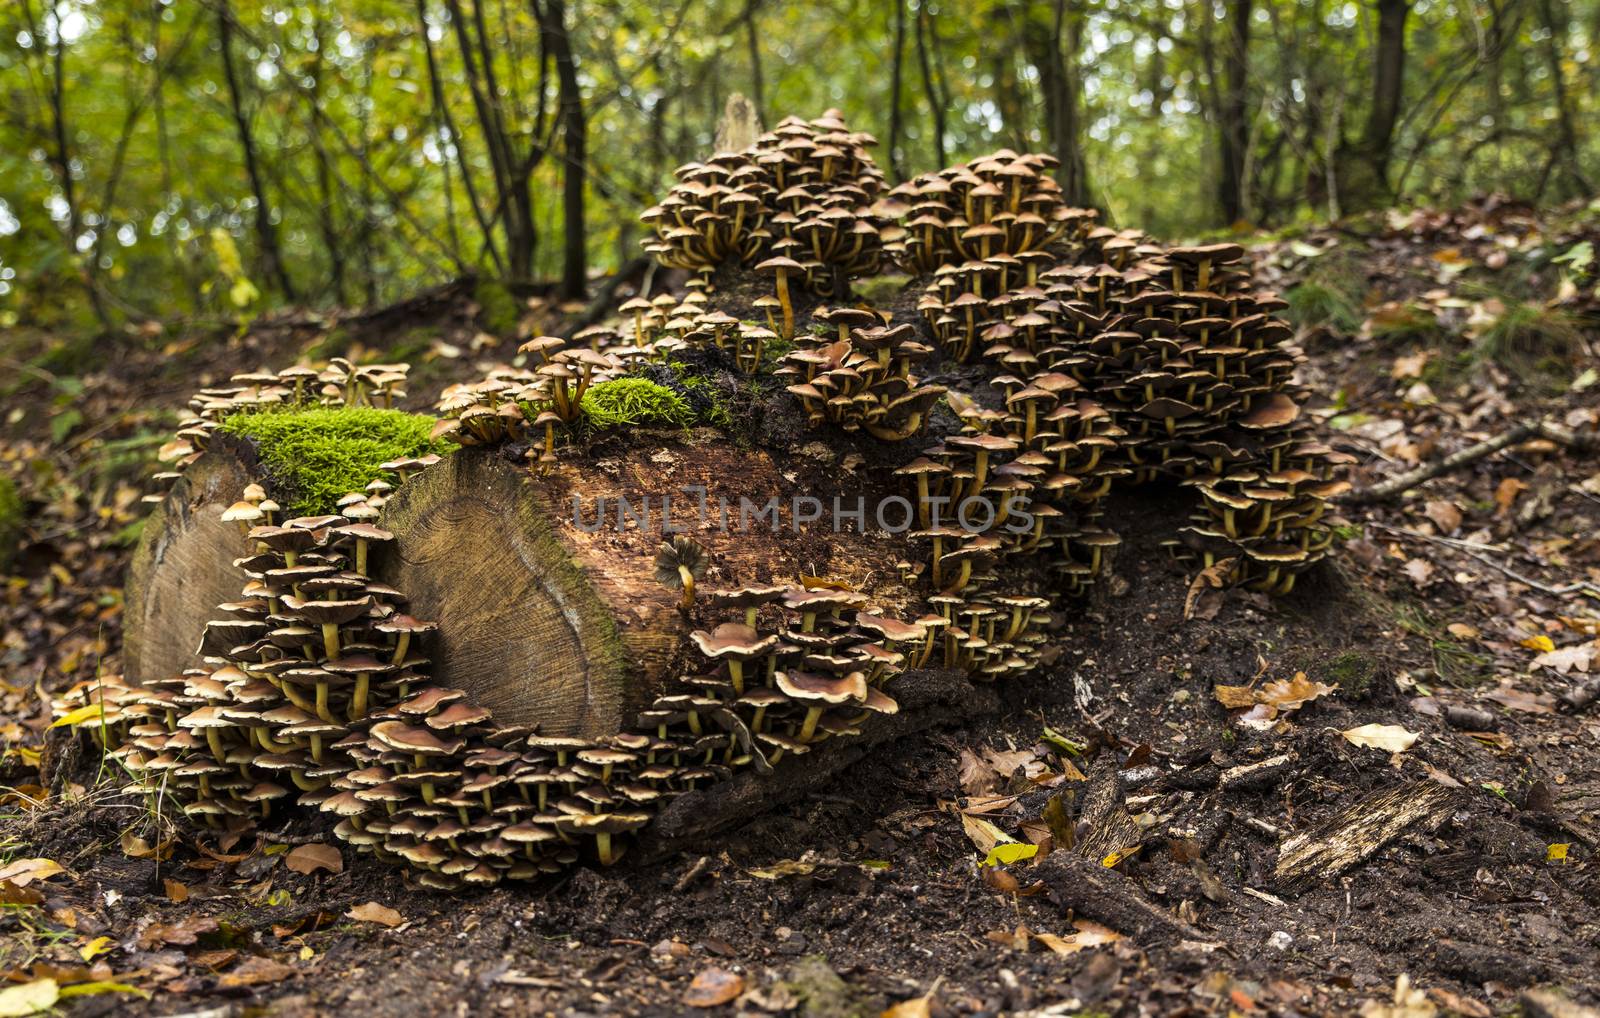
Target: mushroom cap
x=829, y=689
x=406, y=738
x=733, y=640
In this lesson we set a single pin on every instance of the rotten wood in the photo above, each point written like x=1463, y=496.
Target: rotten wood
x=1358, y=831
x=1104, y=895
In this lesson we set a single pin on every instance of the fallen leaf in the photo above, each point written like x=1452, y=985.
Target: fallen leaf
x=976, y=777
x=713, y=986
x=29, y=998
x=1462, y=631
x=308, y=859
x=1409, y=366
x=11, y=894
x=984, y=834
x=372, y=912
x=180, y=933
x=1444, y=515
x=1204, y=599
x=95, y=948
x=1089, y=934
x=94, y=987
x=1455, y=1002
x=25, y=871
x=255, y=970
x=175, y=890
x=1420, y=570
x=1517, y=699
x=1006, y=853
x=1540, y=642
x=1389, y=738
x=1235, y=697
x=1407, y=1003
x=1566, y=659
x=1505, y=494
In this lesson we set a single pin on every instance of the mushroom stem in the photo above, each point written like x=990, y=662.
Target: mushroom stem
x=688, y=587
x=361, y=555
x=809, y=728
x=330, y=640
x=783, y=300
x=735, y=673
x=358, y=697
x=603, y=843
x=214, y=740
x=322, y=702
x=400, y=648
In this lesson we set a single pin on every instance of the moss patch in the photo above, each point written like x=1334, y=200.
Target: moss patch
x=318, y=456
x=11, y=518
x=635, y=401
x=499, y=311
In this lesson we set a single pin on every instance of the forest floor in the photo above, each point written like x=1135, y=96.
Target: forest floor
x=1462, y=616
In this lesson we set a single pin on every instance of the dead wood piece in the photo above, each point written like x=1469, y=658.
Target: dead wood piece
x=927, y=700
x=1106, y=896
x=1402, y=483
x=1543, y=1003
x=1358, y=831
x=1574, y=701
x=1470, y=718
x=1482, y=963
x=1253, y=777
x=1104, y=827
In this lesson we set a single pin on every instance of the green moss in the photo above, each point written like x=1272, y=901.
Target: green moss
x=1353, y=673
x=1318, y=303
x=879, y=291
x=499, y=311
x=1532, y=340
x=635, y=401
x=11, y=519
x=318, y=456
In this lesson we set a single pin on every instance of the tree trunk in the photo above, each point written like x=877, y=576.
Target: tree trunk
x=1234, y=122
x=266, y=230
x=926, y=42
x=1569, y=147
x=1362, y=167
x=574, y=169
x=1054, y=53
x=897, y=162
x=541, y=621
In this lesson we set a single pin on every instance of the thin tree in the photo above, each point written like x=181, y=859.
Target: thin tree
x=897, y=168
x=932, y=78
x=1233, y=133
x=552, y=15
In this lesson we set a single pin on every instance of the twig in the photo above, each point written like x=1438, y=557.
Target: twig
x=1470, y=549
x=1402, y=483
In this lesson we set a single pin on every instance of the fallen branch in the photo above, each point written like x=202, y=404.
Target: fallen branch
x=1357, y=832
x=1469, y=549
x=1106, y=896
x=1402, y=483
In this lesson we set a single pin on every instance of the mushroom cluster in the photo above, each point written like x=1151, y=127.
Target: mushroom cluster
x=798, y=204
x=665, y=325
x=1003, y=212
x=338, y=383
x=527, y=405
x=859, y=377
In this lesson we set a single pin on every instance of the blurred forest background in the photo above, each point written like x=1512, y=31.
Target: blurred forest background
x=203, y=160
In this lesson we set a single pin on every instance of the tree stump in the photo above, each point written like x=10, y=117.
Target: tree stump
x=540, y=620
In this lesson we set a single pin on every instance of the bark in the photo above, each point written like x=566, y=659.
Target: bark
x=574, y=169
x=1054, y=53
x=897, y=169
x=541, y=621
x=1357, y=832
x=1234, y=132
x=1569, y=144
x=266, y=230
x=932, y=91
x=1362, y=166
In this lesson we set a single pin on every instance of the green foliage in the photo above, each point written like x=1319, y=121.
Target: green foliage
x=1532, y=340
x=1318, y=302
x=498, y=310
x=11, y=519
x=318, y=456
x=635, y=401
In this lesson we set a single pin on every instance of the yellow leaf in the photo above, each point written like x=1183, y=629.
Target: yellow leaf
x=1557, y=852
x=1389, y=738
x=1006, y=853
x=25, y=871
x=98, y=986
x=306, y=954
x=1539, y=643
x=29, y=998
x=916, y=1007
x=95, y=948
x=984, y=834
x=88, y=712
x=783, y=868
x=1120, y=854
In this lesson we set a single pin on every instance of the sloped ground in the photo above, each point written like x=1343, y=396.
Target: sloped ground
x=1469, y=592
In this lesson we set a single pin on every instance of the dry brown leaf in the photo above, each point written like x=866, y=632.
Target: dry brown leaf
x=181, y=933
x=1204, y=599
x=1567, y=659
x=713, y=986
x=983, y=834
x=1444, y=515
x=1235, y=697
x=1389, y=738
x=11, y=894
x=25, y=871
x=1291, y=694
x=1505, y=494
x=255, y=970
x=372, y=912
x=1409, y=366
x=1088, y=934
x=916, y=1007
x=1420, y=570
x=976, y=777
x=176, y=890
x=308, y=859
x=1008, y=762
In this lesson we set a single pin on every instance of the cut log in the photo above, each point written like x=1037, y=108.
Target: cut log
x=1358, y=831
x=183, y=566
x=540, y=620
